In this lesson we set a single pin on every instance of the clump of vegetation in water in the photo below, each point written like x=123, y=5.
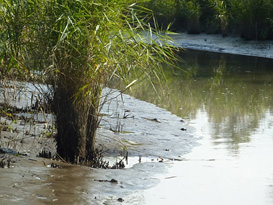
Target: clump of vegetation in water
x=77, y=47
x=251, y=19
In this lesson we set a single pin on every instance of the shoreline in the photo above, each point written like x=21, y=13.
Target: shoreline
x=227, y=45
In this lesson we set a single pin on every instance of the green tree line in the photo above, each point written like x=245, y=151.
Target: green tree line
x=250, y=19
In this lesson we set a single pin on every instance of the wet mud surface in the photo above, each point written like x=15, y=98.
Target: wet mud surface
x=151, y=137
x=219, y=44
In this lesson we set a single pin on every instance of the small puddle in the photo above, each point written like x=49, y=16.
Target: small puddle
x=132, y=160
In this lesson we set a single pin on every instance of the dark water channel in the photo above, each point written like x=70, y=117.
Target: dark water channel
x=229, y=99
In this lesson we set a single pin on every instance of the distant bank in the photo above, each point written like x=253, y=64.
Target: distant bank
x=217, y=43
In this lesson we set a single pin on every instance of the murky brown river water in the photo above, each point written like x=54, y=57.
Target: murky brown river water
x=229, y=99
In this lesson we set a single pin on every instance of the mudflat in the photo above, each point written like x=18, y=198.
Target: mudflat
x=32, y=173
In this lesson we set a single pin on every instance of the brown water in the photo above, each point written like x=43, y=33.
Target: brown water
x=229, y=99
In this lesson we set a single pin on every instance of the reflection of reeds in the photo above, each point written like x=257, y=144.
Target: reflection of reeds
x=236, y=101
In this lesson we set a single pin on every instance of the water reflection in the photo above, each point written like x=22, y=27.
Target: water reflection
x=229, y=100
x=234, y=91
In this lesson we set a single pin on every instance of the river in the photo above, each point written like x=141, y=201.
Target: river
x=229, y=100
x=226, y=104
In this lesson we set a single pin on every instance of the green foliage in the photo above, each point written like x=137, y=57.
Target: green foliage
x=98, y=38
x=193, y=8
x=167, y=11
x=252, y=19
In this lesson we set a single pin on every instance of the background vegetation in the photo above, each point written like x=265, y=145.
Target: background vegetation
x=250, y=19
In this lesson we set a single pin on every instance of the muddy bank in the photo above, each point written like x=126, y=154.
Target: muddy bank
x=144, y=128
x=219, y=44
x=152, y=136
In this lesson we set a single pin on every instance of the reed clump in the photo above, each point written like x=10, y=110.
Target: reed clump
x=77, y=48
